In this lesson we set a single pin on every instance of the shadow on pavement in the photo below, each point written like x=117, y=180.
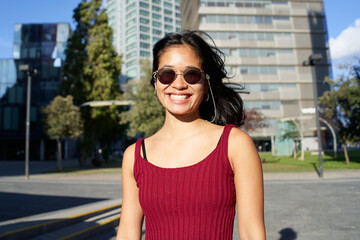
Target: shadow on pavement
x=287, y=234
x=316, y=169
x=18, y=205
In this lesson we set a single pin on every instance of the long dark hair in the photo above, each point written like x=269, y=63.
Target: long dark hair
x=229, y=105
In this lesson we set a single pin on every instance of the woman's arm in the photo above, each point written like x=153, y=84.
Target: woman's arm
x=248, y=184
x=131, y=213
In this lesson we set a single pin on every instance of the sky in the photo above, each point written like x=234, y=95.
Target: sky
x=342, y=16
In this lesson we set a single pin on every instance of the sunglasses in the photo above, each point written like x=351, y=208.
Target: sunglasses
x=167, y=75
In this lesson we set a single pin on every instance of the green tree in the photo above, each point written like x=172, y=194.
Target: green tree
x=291, y=132
x=147, y=115
x=62, y=119
x=91, y=72
x=342, y=104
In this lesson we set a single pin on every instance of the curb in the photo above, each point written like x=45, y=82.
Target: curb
x=32, y=231
x=88, y=232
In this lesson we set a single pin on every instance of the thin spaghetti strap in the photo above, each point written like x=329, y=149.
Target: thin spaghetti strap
x=138, y=148
x=143, y=149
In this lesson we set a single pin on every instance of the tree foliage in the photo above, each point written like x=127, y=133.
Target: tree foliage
x=342, y=104
x=147, y=115
x=62, y=119
x=90, y=73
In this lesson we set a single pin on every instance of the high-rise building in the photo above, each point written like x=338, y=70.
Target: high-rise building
x=40, y=46
x=138, y=25
x=266, y=43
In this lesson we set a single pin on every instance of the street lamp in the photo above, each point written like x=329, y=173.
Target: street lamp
x=29, y=72
x=314, y=58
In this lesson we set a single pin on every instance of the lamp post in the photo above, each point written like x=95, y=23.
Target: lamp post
x=29, y=72
x=314, y=58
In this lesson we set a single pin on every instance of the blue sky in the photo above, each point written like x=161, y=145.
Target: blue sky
x=344, y=30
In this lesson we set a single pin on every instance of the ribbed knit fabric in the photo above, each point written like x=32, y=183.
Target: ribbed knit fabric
x=193, y=202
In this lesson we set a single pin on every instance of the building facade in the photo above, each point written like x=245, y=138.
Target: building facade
x=42, y=47
x=266, y=43
x=138, y=25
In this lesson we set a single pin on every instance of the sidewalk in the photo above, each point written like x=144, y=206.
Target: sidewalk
x=38, y=169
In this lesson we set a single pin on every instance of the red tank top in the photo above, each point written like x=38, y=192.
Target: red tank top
x=192, y=202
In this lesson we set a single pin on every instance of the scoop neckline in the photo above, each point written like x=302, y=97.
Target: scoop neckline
x=188, y=166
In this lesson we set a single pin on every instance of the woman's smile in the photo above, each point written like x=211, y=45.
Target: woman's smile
x=179, y=97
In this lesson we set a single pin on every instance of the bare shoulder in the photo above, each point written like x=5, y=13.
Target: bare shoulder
x=238, y=136
x=242, y=150
x=129, y=158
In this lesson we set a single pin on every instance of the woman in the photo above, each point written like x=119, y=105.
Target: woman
x=187, y=177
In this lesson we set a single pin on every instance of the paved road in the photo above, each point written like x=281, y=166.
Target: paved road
x=297, y=206
x=307, y=209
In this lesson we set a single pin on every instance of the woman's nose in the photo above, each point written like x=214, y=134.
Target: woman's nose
x=179, y=81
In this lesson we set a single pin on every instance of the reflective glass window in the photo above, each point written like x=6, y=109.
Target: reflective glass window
x=144, y=20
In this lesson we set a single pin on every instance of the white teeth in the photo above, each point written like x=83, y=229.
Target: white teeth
x=178, y=97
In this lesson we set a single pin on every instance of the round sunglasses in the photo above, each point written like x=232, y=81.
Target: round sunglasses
x=167, y=75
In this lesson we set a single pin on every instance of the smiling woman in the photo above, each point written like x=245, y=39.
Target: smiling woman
x=193, y=171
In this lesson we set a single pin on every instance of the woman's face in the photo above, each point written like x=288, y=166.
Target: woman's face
x=179, y=97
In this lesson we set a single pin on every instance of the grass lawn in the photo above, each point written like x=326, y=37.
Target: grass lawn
x=272, y=164
x=311, y=162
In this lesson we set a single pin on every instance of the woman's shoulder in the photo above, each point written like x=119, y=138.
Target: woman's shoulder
x=239, y=135
x=241, y=146
x=129, y=157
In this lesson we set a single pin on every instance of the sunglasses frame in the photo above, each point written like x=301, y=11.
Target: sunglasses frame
x=156, y=74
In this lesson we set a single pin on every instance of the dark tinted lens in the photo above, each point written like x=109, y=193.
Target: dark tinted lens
x=192, y=76
x=166, y=76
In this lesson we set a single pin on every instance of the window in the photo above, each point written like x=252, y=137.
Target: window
x=130, y=7
x=156, y=24
x=168, y=20
x=144, y=13
x=130, y=46
x=156, y=1
x=157, y=32
x=130, y=30
x=155, y=39
x=168, y=12
x=144, y=37
x=144, y=53
x=156, y=8
x=144, y=45
x=168, y=5
x=130, y=39
x=131, y=73
x=144, y=5
x=275, y=105
x=168, y=27
x=144, y=29
x=131, y=63
x=131, y=54
x=156, y=16
x=250, y=36
x=144, y=20
x=242, y=19
x=130, y=22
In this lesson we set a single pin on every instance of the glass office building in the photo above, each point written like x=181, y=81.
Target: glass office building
x=138, y=25
x=40, y=46
x=266, y=43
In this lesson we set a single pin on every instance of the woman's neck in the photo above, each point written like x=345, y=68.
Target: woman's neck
x=182, y=126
